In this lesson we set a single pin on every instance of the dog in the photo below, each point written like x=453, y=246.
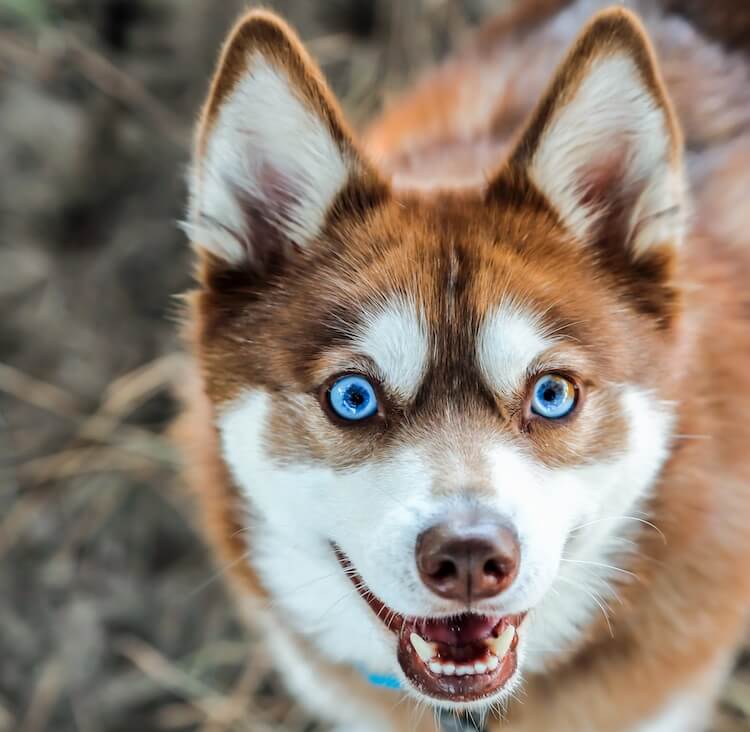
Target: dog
x=468, y=423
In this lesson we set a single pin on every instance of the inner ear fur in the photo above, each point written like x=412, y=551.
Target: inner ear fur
x=274, y=158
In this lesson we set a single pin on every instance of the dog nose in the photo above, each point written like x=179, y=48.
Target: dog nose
x=468, y=560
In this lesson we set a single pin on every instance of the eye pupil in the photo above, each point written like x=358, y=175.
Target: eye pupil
x=553, y=397
x=356, y=397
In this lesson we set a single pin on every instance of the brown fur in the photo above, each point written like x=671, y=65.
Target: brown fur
x=684, y=333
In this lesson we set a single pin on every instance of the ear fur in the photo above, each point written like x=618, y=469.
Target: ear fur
x=603, y=147
x=273, y=155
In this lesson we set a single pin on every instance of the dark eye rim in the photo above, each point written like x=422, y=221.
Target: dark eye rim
x=530, y=416
x=324, y=397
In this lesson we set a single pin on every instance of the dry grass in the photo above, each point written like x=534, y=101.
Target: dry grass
x=112, y=617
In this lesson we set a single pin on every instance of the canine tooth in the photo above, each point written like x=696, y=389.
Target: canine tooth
x=436, y=668
x=426, y=651
x=500, y=646
x=492, y=662
x=480, y=667
x=449, y=668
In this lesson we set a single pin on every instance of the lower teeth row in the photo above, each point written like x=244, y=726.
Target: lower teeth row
x=497, y=648
x=451, y=669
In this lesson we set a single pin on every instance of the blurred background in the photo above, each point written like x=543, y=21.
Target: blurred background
x=112, y=617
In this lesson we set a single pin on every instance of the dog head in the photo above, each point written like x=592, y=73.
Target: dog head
x=443, y=412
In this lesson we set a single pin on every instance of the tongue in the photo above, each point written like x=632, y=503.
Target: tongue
x=458, y=631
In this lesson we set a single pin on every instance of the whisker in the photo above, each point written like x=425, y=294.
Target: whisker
x=623, y=518
x=420, y=709
x=402, y=698
x=313, y=581
x=601, y=564
x=217, y=575
x=594, y=598
x=332, y=607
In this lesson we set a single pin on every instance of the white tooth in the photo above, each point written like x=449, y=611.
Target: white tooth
x=436, y=667
x=480, y=667
x=449, y=668
x=425, y=650
x=464, y=670
x=493, y=662
x=500, y=646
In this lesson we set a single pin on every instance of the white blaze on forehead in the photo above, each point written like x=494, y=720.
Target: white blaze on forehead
x=395, y=338
x=510, y=339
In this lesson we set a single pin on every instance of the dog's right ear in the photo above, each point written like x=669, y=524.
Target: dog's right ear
x=274, y=158
x=603, y=146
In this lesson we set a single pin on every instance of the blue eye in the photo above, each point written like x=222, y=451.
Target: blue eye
x=553, y=397
x=353, y=398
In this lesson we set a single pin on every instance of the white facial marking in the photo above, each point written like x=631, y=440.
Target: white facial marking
x=395, y=338
x=266, y=147
x=369, y=511
x=612, y=120
x=609, y=499
x=509, y=341
x=571, y=523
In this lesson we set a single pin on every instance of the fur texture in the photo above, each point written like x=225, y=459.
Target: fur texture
x=452, y=273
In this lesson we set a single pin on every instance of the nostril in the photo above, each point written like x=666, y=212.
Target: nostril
x=445, y=570
x=494, y=568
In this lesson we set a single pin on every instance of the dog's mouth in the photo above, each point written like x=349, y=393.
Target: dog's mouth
x=463, y=658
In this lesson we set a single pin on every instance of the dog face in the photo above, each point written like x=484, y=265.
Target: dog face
x=442, y=412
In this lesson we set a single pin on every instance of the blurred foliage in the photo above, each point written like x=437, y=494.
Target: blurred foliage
x=34, y=12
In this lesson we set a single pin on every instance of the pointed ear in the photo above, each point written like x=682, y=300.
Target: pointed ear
x=273, y=155
x=603, y=146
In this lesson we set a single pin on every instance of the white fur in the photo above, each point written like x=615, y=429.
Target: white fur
x=612, y=112
x=263, y=126
x=611, y=497
x=395, y=338
x=509, y=341
x=376, y=511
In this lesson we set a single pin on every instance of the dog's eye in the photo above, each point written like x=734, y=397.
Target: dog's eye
x=553, y=396
x=352, y=398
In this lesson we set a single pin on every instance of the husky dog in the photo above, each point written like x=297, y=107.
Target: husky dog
x=470, y=417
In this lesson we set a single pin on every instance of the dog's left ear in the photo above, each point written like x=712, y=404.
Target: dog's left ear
x=603, y=146
x=273, y=155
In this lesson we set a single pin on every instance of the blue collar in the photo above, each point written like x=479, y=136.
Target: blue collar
x=382, y=680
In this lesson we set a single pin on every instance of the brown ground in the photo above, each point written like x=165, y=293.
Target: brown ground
x=112, y=618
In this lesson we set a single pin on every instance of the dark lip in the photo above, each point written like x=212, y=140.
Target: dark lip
x=462, y=689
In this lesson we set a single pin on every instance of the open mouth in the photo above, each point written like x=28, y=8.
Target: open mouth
x=462, y=658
